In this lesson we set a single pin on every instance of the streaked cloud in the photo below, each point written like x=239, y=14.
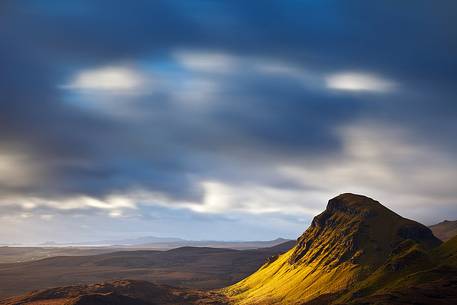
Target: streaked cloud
x=252, y=199
x=108, y=79
x=380, y=161
x=171, y=118
x=17, y=169
x=206, y=61
x=355, y=81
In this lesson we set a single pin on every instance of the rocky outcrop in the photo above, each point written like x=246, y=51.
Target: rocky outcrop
x=358, y=229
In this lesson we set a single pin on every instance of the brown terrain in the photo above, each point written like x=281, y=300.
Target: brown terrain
x=191, y=267
x=122, y=292
x=445, y=230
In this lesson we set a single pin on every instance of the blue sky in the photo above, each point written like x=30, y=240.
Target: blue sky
x=221, y=119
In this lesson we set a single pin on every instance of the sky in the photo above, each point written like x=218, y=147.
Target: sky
x=222, y=120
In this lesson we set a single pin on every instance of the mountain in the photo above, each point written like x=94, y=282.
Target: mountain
x=445, y=230
x=123, y=292
x=354, y=249
x=193, y=267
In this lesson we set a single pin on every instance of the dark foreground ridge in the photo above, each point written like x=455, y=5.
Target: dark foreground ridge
x=122, y=292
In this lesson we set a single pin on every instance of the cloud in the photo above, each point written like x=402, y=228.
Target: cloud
x=47, y=216
x=206, y=61
x=16, y=169
x=201, y=105
x=196, y=91
x=353, y=81
x=107, y=79
x=112, y=203
x=380, y=162
x=222, y=198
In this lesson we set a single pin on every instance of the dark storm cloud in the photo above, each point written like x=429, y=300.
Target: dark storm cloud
x=44, y=43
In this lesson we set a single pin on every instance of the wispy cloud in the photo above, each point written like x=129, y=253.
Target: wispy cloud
x=204, y=61
x=108, y=79
x=355, y=81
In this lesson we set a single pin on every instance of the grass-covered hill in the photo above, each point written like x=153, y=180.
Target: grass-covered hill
x=354, y=250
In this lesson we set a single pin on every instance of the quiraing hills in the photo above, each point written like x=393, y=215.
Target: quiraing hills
x=355, y=252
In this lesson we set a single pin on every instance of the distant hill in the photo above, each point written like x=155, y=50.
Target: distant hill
x=124, y=242
x=445, y=230
x=193, y=267
x=23, y=254
x=15, y=254
x=356, y=250
x=166, y=243
x=237, y=245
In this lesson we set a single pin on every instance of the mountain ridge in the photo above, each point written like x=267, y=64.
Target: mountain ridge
x=353, y=237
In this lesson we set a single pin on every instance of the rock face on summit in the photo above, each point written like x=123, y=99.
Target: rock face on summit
x=357, y=229
x=353, y=237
